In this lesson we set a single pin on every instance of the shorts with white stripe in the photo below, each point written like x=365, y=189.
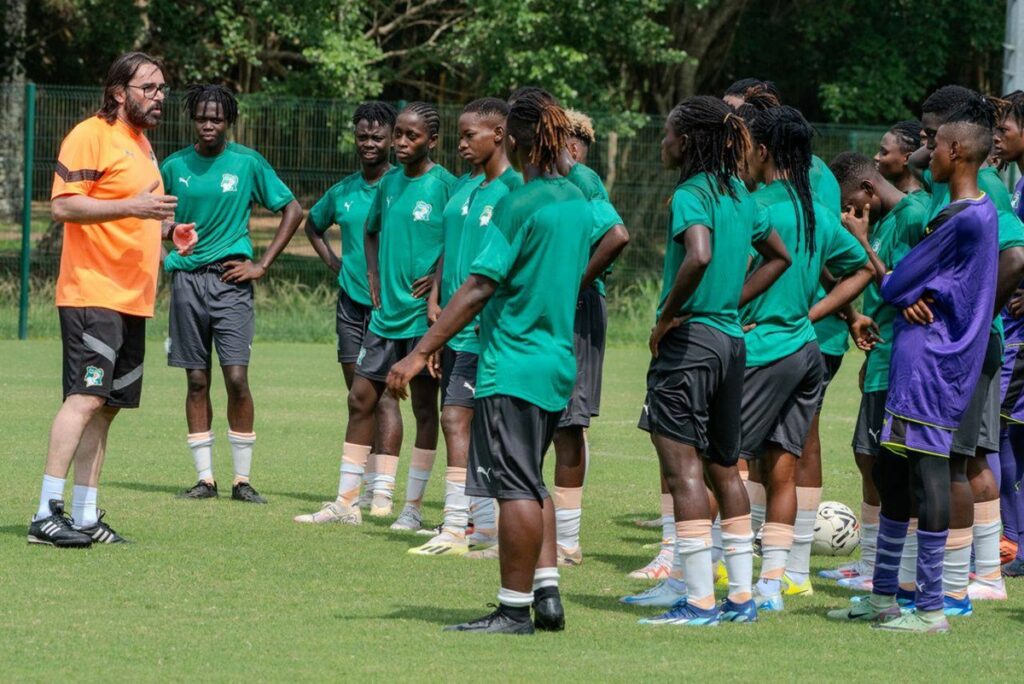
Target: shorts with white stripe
x=103, y=353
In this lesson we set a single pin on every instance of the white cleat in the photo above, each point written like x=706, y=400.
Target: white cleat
x=381, y=506
x=657, y=569
x=985, y=591
x=409, y=520
x=661, y=595
x=365, y=499
x=333, y=512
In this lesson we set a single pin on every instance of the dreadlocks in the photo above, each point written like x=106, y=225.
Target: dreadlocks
x=1011, y=106
x=946, y=99
x=375, y=112
x=539, y=123
x=200, y=94
x=718, y=139
x=581, y=127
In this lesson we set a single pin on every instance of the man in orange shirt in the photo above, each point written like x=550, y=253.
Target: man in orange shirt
x=108, y=193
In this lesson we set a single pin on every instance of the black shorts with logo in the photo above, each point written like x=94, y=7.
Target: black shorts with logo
x=508, y=439
x=458, y=377
x=589, y=331
x=832, y=363
x=980, y=424
x=103, y=354
x=352, y=321
x=379, y=354
x=695, y=389
x=205, y=312
x=868, y=431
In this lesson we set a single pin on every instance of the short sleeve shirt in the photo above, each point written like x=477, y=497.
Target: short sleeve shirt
x=455, y=215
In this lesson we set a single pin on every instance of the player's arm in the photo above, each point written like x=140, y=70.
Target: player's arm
x=317, y=238
x=844, y=292
x=909, y=281
x=857, y=223
x=1011, y=272
x=85, y=210
x=464, y=306
x=434, y=297
x=607, y=251
x=775, y=260
x=371, y=245
x=697, y=241
x=918, y=162
x=244, y=271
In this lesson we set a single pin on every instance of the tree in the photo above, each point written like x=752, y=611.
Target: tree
x=12, y=109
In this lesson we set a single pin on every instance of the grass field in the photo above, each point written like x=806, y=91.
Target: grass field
x=217, y=590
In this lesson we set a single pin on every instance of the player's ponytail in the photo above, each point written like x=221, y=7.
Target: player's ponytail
x=717, y=140
x=540, y=124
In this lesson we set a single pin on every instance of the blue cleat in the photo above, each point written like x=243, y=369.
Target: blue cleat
x=738, y=612
x=685, y=614
x=772, y=602
x=957, y=607
x=661, y=595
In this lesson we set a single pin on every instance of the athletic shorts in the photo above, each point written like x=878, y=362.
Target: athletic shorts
x=206, y=312
x=901, y=436
x=831, y=362
x=695, y=389
x=379, y=354
x=1012, y=384
x=103, y=351
x=458, y=377
x=868, y=431
x=780, y=400
x=508, y=439
x=352, y=321
x=589, y=332
x=979, y=427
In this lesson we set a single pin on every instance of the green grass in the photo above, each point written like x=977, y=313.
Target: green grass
x=224, y=591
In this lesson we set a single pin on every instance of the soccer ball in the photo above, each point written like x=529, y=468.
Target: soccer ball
x=836, y=530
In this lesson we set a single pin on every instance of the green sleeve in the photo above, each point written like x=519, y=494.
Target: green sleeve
x=166, y=174
x=687, y=210
x=373, y=217
x=992, y=185
x=1011, y=232
x=321, y=216
x=605, y=218
x=845, y=254
x=762, y=224
x=269, y=190
x=500, y=247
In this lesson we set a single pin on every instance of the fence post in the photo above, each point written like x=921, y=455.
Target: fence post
x=26, y=209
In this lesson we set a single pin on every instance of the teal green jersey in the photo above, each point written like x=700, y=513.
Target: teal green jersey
x=346, y=205
x=735, y=223
x=1011, y=234
x=217, y=194
x=536, y=252
x=478, y=221
x=455, y=213
x=891, y=239
x=590, y=184
x=780, y=314
x=408, y=214
x=832, y=331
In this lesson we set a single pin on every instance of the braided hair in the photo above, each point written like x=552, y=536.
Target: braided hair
x=428, y=113
x=199, y=94
x=538, y=122
x=850, y=168
x=375, y=112
x=743, y=87
x=718, y=139
x=787, y=136
x=946, y=99
x=487, y=106
x=979, y=113
x=907, y=134
x=1012, y=106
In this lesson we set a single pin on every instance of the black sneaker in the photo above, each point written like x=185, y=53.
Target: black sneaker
x=101, y=533
x=200, y=490
x=548, y=614
x=56, y=530
x=243, y=491
x=498, y=622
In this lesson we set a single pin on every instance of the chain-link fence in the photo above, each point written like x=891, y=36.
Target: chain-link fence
x=310, y=144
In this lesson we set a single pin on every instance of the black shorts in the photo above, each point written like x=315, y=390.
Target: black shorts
x=508, y=439
x=458, y=378
x=831, y=362
x=780, y=400
x=589, y=331
x=979, y=426
x=868, y=431
x=103, y=354
x=694, y=391
x=379, y=354
x=352, y=321
x=205, y=311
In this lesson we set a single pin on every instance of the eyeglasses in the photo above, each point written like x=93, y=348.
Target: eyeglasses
x=151, y=89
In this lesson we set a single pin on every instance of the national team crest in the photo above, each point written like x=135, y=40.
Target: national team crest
x=485, y=216
x=93, y=376
x=229, y=183
x=421, y=212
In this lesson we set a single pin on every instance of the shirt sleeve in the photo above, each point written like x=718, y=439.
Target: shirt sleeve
x=270, y=190
x=604, y=219
x=845, y=254
x=911, y=278
x=373, y=216
x=501, y=244
x=762, y=224
x=321, y=216
x=167, y=175
x=1011, y=232
x=687, y=210
x=79, y=163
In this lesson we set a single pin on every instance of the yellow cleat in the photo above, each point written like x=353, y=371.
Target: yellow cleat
x=721, y=577
x=444, y=544
x=790, y=588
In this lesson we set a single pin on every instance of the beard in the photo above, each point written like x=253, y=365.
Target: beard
x=142, y=115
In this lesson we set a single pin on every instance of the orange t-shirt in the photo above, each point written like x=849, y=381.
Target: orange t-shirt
x=113, y=264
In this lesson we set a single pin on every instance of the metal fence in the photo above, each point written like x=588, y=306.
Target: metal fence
x=309, y=142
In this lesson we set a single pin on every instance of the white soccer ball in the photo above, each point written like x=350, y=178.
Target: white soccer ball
x=836, y=530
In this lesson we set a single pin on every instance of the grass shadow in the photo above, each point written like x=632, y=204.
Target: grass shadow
x=606, y=603
x=621, y=562
x=628, y=520
x=298, y=496
x=15, y=530
x=435, y=614
x=147, y=487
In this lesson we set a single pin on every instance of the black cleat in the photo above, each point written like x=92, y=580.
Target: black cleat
x=56, y=530
x=243, y=491
x=498, y=622
x=548, y=615
x=200, y=490
x=102, y=533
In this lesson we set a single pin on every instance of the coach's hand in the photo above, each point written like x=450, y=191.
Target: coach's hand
x=146, y=205
x=661, y=329
x=919, y=313
x=184, y=237
x=373, y=282
x=403, y=372
x=242, y=271
x=865, y=332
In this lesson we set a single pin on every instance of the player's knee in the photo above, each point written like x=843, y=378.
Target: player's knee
x=453, y=422
x=198, y=385
x=360, y=402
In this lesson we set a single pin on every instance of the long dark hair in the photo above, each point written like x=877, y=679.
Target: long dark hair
x=119, y=75
x=538, y=122
x=199, y=94
x=718, y=139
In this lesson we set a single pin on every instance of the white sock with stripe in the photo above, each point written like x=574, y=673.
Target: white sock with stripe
x=83, y=505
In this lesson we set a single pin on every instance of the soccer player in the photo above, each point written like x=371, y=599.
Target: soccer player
x=894, y=150
x=217, y=182
x=467, y=219
x=879, y=215
x=540, y=242
x=785, y=370
x=934, y=369
x=108, y=194
x=695, y=380
x=346, y=205
x=404, y=238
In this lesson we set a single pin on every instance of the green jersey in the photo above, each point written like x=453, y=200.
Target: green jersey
x=780, y=314
x=536, y=252
x=346, y=205
x=735, y=223
x=832, y=331
x=477, y=223
x=408, y=214
x=891, y=239
x=589, y=183
x=217, y=194
x=455, y=213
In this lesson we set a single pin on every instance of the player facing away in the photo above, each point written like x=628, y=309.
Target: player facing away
x=891, y=222
x=894, y=150
x=404, y=237
x=539, y=244
x=934, y=370
x=784, y=368
x=346, y=205
x=217, y=182
x=695, y=379
x=108, y=194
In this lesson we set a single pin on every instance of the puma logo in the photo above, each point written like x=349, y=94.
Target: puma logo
x=486, y=472
x=469, y=387
x=873, y=433
x=185, y=181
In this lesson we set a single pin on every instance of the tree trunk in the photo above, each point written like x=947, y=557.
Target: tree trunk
x=12, y=110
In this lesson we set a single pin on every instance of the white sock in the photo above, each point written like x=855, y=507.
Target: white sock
x=695, y=554
x=986, y=552
x=907, y=575
x=739, y=563
x=53, y=488
x=515, y=599
x=201, y=445
x=716, y=541
x=415, y=486
x=456, y=503
x=370, y=474
x=798, y=565
x=482, y=510
x=83, y=505
x=241, y=452
x=956, y=564
x=868, y=548
x=545, y=577
x=567, y=525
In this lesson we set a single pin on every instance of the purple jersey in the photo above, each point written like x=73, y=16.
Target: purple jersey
x=935, y=367
x=1014, y=327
